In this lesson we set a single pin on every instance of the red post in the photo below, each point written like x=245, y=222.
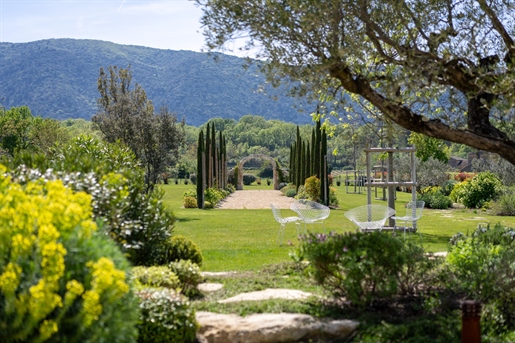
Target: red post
x=470, y=324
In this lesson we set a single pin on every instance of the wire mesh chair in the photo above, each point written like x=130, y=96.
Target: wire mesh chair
x=413, y=213
x=283, y=221
x=310, y=211
x=370, y=217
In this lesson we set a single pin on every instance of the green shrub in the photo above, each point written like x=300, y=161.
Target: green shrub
x=190, y=202
x=482, y=268
x=287, y=187
x=181, y=248
x=60, y=280
x=459, y=191
x=504, y=205
x=366, y=267
x=301, y=193
x=483, y=187
x=230, y=188
x=333, y=198
x=448, y=186
x=213, y=195
x=166, y=317
x=290, y=193
x=189, y=275
x=248, y=179
x=155, y=276
x=434, y=198
x=312, y=188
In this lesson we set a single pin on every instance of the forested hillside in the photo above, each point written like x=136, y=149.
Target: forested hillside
x=57, y=78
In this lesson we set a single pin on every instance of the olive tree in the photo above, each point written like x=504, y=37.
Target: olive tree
x=442, y=68
x=127, y=115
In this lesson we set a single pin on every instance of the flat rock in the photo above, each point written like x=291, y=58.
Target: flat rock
x=209, y=287
x=271, y=328
x=269, y=293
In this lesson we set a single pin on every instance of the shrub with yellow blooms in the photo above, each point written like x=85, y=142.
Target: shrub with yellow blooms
x=59, y=279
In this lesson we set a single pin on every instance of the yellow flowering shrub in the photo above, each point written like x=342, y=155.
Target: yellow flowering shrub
x=57, y=276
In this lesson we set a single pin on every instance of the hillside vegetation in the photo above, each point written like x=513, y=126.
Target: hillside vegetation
x=57, y=78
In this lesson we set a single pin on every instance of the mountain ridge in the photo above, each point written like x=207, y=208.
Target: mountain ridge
x=57, y=78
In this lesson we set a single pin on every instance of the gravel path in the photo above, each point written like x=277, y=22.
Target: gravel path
x=255, y=200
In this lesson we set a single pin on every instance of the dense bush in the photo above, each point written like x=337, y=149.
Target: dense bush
x=482, y=266
x=366, y=267
x=290, y=193
x=166, y=317
x=248, y=179
x=434, y=198
x=190, y=202
x=60, y=280
x=189, y=275
x=448, y=186
x=483, y=187
x=180, y=248
x=214, y=195
x=504, y=205
x=155, y=276
x=312, y=188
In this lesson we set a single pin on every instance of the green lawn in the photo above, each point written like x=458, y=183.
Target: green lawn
x=241, y=240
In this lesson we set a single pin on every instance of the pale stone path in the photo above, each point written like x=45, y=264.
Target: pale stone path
x=255, y=199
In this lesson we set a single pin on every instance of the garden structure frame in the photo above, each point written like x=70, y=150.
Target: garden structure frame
x=256, y=156
x=390, y=183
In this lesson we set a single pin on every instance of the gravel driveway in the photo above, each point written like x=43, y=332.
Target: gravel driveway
x=255, y=200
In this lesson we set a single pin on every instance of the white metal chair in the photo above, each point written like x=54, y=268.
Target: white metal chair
x=413, y=213
x=370, y=217
x=283, y=221
x=310, y=211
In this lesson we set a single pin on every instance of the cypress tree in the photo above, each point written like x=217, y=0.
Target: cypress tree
x=298, y=160
x=313, y=170
x=214, y=169
x=318, y=146
x=208, y=167
x=200, y=170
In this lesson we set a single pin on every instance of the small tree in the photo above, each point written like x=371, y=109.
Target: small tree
x=127, y=115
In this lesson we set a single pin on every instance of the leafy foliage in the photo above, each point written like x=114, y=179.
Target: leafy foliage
x=505, y=204
x=21, y=131
x=59, y=279
x=484, y=187
x=482, y=266
x=166, y=317
x=434, y=198
x=366, y=267
x=180, y=248
x=312, y=187
x=189, y=275
x=155, y=276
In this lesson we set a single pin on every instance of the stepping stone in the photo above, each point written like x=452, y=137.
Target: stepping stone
x=271, y=328
x=209, y=287
x=270, y=293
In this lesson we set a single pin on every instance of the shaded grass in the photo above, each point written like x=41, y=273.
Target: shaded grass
x=246, y=239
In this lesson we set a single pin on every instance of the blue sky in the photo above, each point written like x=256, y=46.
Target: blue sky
x=165, y=24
